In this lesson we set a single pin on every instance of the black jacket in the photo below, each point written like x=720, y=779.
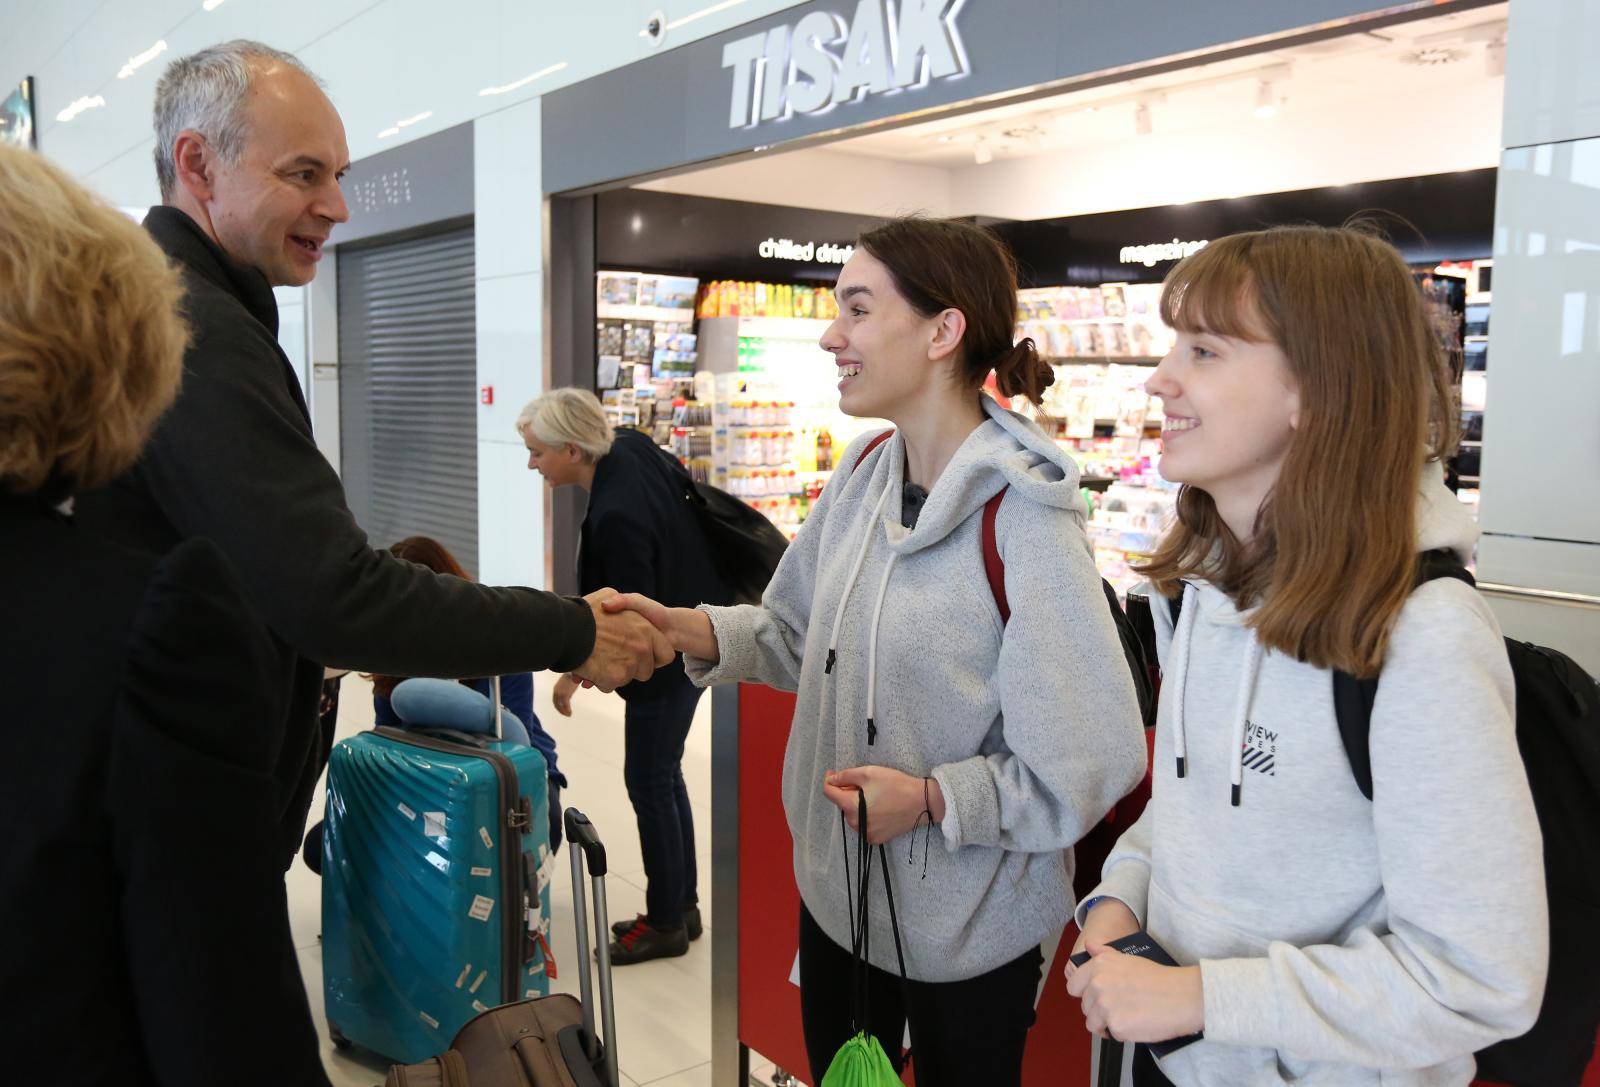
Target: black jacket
x=640, y=536
x=144, y=933
x=234, y=461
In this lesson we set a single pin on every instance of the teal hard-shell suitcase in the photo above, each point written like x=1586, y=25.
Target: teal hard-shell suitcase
x=435, y=888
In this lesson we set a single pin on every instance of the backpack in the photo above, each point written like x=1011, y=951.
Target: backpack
x=994, y=569
x=1558, y=733
x=745, y=547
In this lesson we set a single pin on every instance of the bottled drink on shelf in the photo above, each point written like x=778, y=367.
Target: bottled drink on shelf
x=824, y=451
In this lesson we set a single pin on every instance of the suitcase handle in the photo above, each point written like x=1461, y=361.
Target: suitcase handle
x=584, y=844
x=581, y=833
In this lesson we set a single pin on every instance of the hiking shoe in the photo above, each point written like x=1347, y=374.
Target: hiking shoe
x=642, y=942
x=691, y=921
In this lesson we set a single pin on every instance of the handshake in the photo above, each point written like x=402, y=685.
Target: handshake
x=634, y=635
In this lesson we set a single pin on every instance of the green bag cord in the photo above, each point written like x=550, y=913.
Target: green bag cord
x=861, y=1061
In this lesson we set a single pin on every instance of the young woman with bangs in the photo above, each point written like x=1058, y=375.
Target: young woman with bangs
x=1323, y=937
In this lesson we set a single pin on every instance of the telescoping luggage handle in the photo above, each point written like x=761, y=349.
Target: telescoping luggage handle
x=585, y=845
x=494, y=695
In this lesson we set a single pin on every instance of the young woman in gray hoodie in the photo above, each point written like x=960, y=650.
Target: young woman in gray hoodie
x=1012, y=737
x=1324, y=938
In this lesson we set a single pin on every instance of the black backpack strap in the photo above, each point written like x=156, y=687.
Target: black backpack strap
x=1353, y=698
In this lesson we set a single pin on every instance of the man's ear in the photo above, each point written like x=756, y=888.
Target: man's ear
x=193, y=164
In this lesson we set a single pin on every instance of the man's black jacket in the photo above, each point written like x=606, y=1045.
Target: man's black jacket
x=234, y=461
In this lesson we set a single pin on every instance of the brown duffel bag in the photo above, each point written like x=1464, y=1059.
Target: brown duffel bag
x=533, y=1043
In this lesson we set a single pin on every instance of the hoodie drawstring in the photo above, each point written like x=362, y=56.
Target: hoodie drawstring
x=849, y=586
x=1182, y=636
x=1182, y=640
x=872, y=651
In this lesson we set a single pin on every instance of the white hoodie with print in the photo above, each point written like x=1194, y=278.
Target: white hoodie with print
x=1342, y=941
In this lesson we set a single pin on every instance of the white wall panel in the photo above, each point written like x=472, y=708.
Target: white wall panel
x=507, y=195
x=1552, y=77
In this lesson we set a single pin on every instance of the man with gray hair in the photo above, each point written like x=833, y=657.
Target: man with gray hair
x=249, y=153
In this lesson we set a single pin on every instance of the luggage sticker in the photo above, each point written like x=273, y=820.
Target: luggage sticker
x=479, y=1006
x=428, y=1019
x=433, y=824
x=483, y=871
x=407, y=812
x=466, y=972
x=477, y=981
x=482, y=906
x=488, y=839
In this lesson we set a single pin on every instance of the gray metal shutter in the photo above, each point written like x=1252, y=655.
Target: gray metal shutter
x=407, y=390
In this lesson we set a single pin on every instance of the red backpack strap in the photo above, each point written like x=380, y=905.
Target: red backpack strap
x=870, y=446
x=994, y=567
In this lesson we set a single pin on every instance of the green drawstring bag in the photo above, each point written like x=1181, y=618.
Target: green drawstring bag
x=861, y=1062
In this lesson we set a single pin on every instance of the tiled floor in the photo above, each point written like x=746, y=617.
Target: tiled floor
x=663, y=1007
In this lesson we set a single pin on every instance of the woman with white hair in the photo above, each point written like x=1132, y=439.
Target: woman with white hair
x=639, y=535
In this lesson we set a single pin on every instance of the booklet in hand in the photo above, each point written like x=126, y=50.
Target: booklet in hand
x=1142, y=946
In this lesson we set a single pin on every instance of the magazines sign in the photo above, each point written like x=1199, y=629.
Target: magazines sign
x=824, y=60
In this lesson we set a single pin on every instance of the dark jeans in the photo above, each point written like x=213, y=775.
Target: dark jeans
x=962, y=1032
x=655, y=730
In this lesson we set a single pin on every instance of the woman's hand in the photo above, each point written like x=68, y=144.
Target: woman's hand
x=562, y=695
x=688, y=629
x=895, y=801
x=1110, y=919
x=1136, y=1000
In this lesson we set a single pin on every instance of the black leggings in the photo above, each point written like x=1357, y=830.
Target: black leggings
x=962, y=1032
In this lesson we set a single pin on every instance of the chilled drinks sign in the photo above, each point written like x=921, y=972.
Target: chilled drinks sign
x=823, y=60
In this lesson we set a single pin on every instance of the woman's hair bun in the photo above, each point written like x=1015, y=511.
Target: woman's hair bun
x=1022, y=372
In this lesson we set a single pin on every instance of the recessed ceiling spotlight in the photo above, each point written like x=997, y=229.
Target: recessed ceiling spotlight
x=945, y=139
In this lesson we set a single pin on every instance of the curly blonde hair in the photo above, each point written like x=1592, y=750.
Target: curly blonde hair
x=91, y=341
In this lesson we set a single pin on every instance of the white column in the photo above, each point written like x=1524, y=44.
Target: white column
x=507, y=210
x=1541, y=454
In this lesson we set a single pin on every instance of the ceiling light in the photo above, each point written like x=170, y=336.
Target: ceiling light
x=78, y=106
x=398, y=125
x=945, y=139
x=135, y=63
x=1141, y=119
x=1266, y=100
x=524, y=81
x=211, y=5
x=1494, y=59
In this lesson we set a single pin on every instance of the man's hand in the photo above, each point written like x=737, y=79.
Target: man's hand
x=562, y=695
x=895, y=801
x=626, y=646
x=1135, y=1000
x=1110, y=919
x=689, y=630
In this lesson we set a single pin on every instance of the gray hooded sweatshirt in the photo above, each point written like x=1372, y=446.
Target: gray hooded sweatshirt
x=1031, y=729
x=1341, y=940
